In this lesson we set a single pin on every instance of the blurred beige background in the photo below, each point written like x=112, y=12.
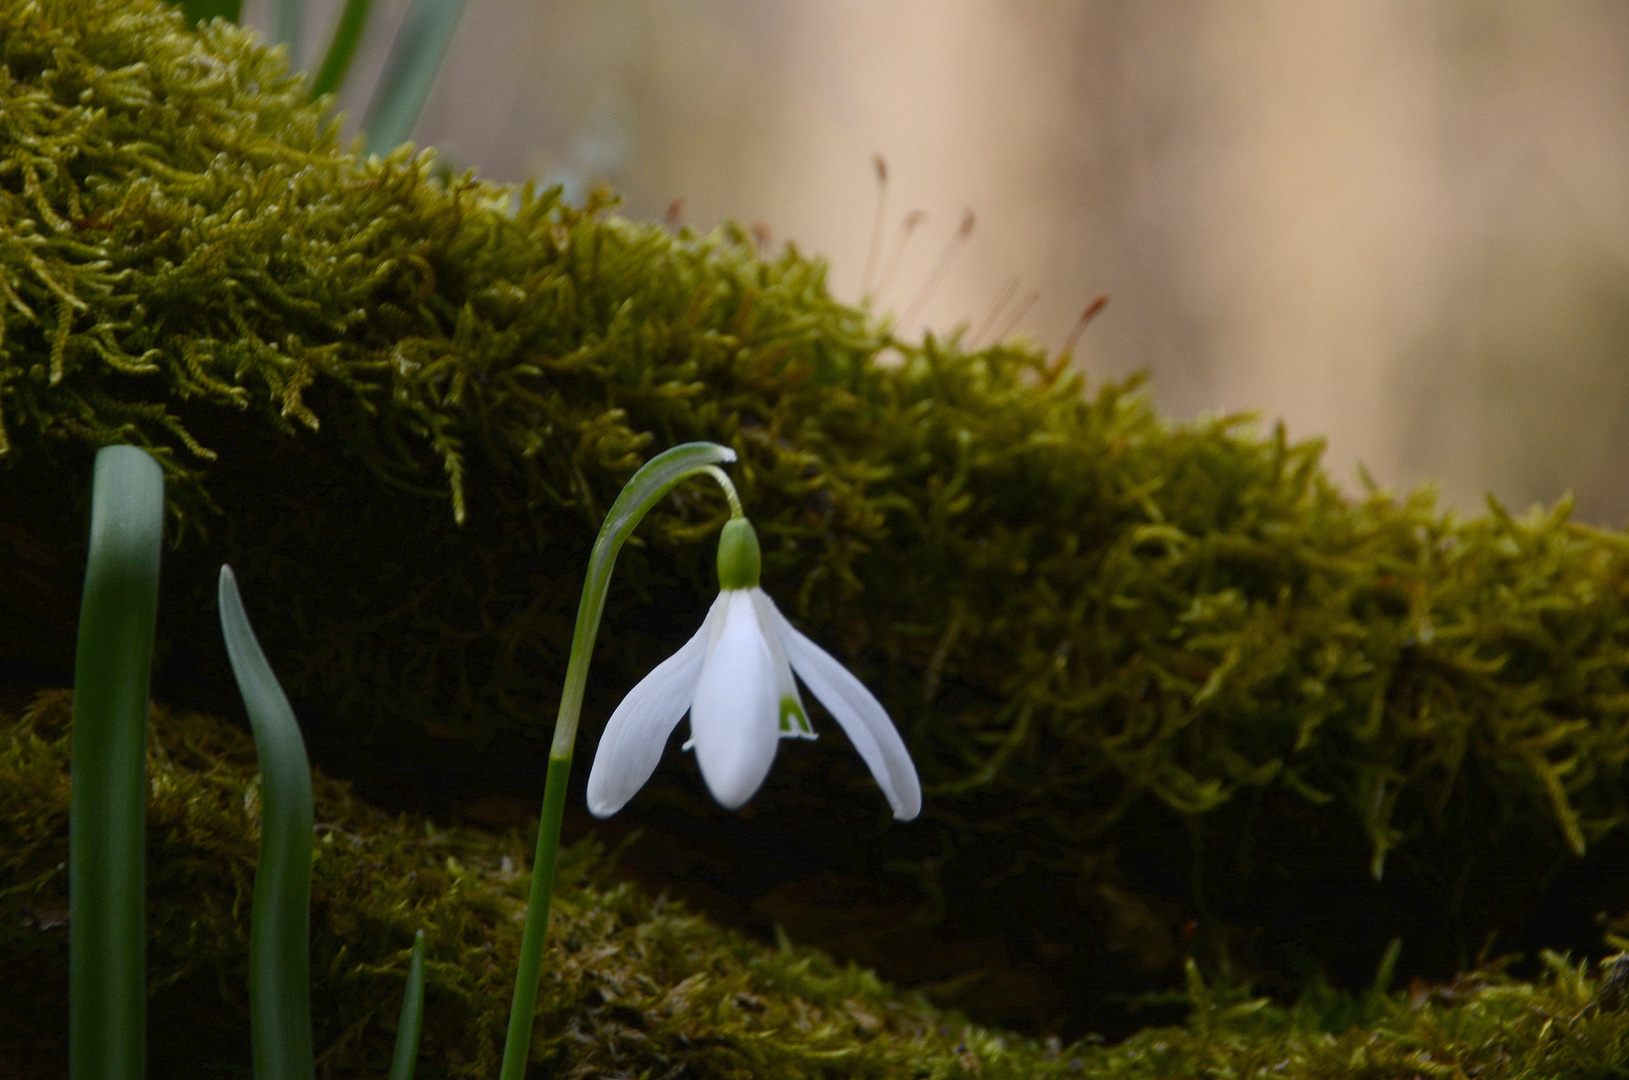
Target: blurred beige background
x=1403, y=226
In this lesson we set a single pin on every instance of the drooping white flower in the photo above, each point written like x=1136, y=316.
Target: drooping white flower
x=734, y=678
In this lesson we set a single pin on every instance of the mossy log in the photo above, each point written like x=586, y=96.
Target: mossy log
x=1163, y=681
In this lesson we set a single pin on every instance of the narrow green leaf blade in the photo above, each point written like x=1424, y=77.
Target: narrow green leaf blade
x=287, y=24
x=107, y=884
x=407, y=1031
x=341, y=50
x=410, y=72
x=279, y=965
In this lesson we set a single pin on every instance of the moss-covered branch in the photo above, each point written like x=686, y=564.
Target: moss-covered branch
x=1110, y=637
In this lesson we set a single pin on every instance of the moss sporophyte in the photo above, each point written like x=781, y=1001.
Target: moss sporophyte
x=734, y=677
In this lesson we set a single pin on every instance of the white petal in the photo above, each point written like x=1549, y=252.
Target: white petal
x=638, y=729
x=861, y=715
x=792, y=719
x=735, y=717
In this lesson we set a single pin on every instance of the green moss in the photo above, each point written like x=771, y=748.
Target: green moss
x=1151, y=672
x=631, y=983
x=632, y=986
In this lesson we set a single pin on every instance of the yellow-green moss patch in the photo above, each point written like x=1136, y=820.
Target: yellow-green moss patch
x=632, y=986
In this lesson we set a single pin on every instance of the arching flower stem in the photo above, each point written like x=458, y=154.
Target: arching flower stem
x=647, y=487
x=723, y=479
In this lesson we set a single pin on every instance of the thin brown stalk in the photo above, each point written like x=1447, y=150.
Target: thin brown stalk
x=1003, y=298
x=912, y=222
x=875, y=251
x=963, y=231
x=1018, y=313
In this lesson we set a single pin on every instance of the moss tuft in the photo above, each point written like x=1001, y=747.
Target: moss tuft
x=631, y=986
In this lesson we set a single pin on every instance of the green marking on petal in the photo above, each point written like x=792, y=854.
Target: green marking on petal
x=794, y=722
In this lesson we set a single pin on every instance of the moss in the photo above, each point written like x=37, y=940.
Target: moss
x=1152, y=672
x=632, y=983
x=632, y=986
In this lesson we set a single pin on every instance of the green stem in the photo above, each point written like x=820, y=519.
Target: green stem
x=107, y=978
x=655, y=479
x=279, y=950
x=723, y=478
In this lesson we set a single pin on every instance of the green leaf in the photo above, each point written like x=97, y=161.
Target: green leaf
x=342, y=49
x=287, y=24
x=107, y=985
x=410, y=72
x=279, y=977
x=407, y=1029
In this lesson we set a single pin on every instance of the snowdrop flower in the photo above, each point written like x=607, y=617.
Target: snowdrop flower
x=734, y=677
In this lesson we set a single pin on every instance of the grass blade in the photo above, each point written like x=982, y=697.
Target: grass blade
x=287, y=24
x=341, y=50
x=410, y=72
x=107, y=884
x=407, y=1031
x=279, y=965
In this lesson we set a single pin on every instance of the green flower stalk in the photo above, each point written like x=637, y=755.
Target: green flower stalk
x=107, y=884
x=655, y=479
